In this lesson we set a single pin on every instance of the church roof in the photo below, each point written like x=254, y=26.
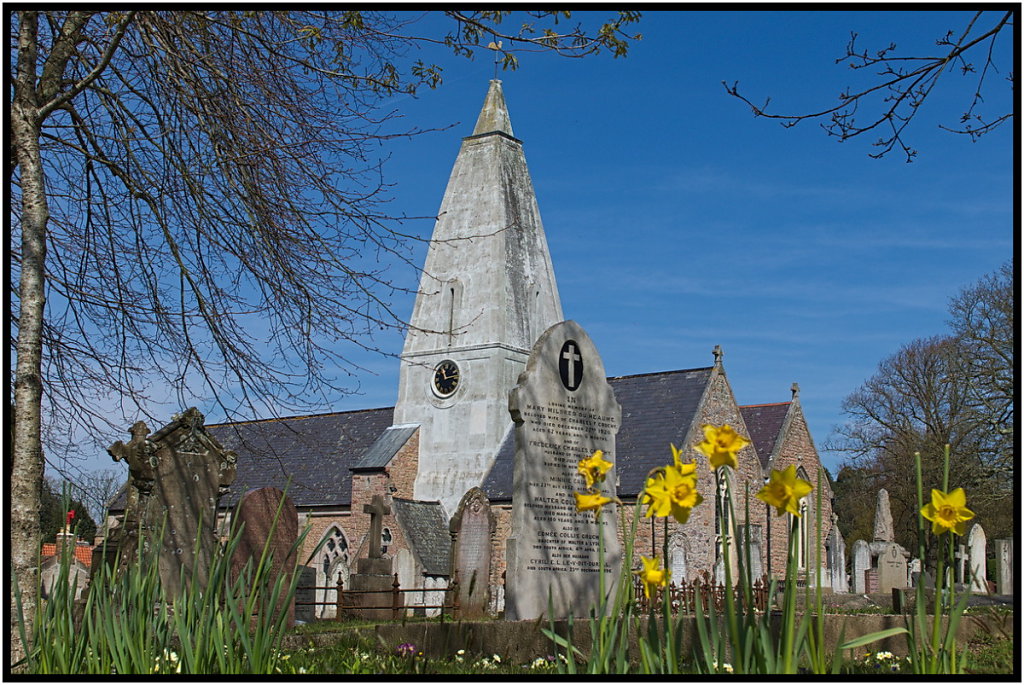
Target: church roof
x=426, y=526
x=316, y=451
x=764, y=421
x=657, y=409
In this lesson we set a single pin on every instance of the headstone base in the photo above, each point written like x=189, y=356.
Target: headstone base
x=372, y=589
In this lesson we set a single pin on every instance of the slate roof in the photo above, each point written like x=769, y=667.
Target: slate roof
x=385, y=447
x=764, y=422
x=426, y=526
x=657, y=409
x=316, y=451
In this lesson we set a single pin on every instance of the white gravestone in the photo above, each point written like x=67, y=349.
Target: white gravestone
x=837, y=559
x=861, y=553
x=892, y=567
x=976, y=555
x=1004, y=566
x=563, y=409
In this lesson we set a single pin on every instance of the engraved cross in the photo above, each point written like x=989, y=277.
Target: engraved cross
x=570, y=356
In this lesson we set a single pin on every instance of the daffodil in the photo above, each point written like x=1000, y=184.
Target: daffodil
x=594, y=468
x=652, y=575
x=784, y=490
x=670, y=492
x=683, y=469
x=590, y=501
x=720, y=445
x=948, y=511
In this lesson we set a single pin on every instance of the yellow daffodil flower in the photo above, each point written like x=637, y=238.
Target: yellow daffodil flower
x=720, y=445
x=670, y=492
x=948, y=511
x=594, y=468
x=652, y=576
x=589, y=501
x=683, y=469
x=785, y=490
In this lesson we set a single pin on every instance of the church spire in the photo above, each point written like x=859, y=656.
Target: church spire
x=494, y=115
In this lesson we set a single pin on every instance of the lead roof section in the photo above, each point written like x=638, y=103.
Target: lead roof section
x=657, y=410
x=764, y=421
x=385, y=447
x=426, y=528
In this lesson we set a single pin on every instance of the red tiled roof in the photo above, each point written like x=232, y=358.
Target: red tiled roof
x=83, y=552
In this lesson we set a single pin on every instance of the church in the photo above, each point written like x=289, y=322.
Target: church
x=442, y=457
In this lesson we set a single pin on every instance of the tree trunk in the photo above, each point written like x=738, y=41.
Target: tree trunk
x=27, y=454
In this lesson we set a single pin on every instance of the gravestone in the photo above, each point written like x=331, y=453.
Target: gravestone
x=756, y=569
x=836, y=559
x=563, y=409
x=256, y=515
x=960, y=560
x=176, y=477
x=305, y=595
x=373, y=573
x=892, y=568
x=1004, y=566
x=861, y=553
x=472, y=528
x=913, y=571
x=977, y=551
x=883, y=518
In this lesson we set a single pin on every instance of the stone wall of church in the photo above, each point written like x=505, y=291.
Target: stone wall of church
x=798, y=448
x=401, y=470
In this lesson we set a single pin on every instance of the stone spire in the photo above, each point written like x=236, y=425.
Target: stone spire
x=494, y=115
x=487, y=293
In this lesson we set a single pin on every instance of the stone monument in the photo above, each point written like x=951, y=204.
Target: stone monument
x=1004, y=566
x=883, y=518
x=267, y=519
x=472, y=528
x=892, y=567
x=836, y=558
x=563, y=409
x=374, y=572
x=176, y=477
x=861, y=553
x=977, y=555
x=305, y=595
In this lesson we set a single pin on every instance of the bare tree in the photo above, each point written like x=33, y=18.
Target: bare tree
x=983, y=324
x=906, y=81
x=198, y=205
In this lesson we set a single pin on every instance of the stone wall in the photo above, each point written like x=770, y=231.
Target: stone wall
x=797, y=448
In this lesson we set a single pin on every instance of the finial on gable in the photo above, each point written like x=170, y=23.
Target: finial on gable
x=718, y=355
x=795, y=389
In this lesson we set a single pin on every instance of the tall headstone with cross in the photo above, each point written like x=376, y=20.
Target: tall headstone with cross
x=176, y=477
x=374, y=572
x=563, y=409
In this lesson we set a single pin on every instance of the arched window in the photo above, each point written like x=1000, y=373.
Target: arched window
x=331, y=564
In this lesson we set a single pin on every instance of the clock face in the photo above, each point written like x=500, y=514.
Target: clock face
x=446, y=378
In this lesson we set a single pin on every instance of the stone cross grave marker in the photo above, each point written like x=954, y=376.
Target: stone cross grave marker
x=861, y=553
x=977, y=550
x=883, y=518
x=377, y=509
x=1004, y=566
x=255, y=514
x=373, y=572
x=563, y=409
x=176, y=476
x=960, y=559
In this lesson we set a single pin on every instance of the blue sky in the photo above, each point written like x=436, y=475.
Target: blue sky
x=677, y=221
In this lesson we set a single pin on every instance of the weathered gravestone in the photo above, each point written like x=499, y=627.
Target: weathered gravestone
x=960, y=561
x=373, y=580
x=892, y=567
x=1004, y=566
x=835, y=547
x=305, y=595
x=176, y=477
x=977, y=551
x=563, y=409
x=471, y=529
x=266, y=521
x=861, y=553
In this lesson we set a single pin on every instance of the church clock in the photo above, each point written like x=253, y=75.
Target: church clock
x=446, y=378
